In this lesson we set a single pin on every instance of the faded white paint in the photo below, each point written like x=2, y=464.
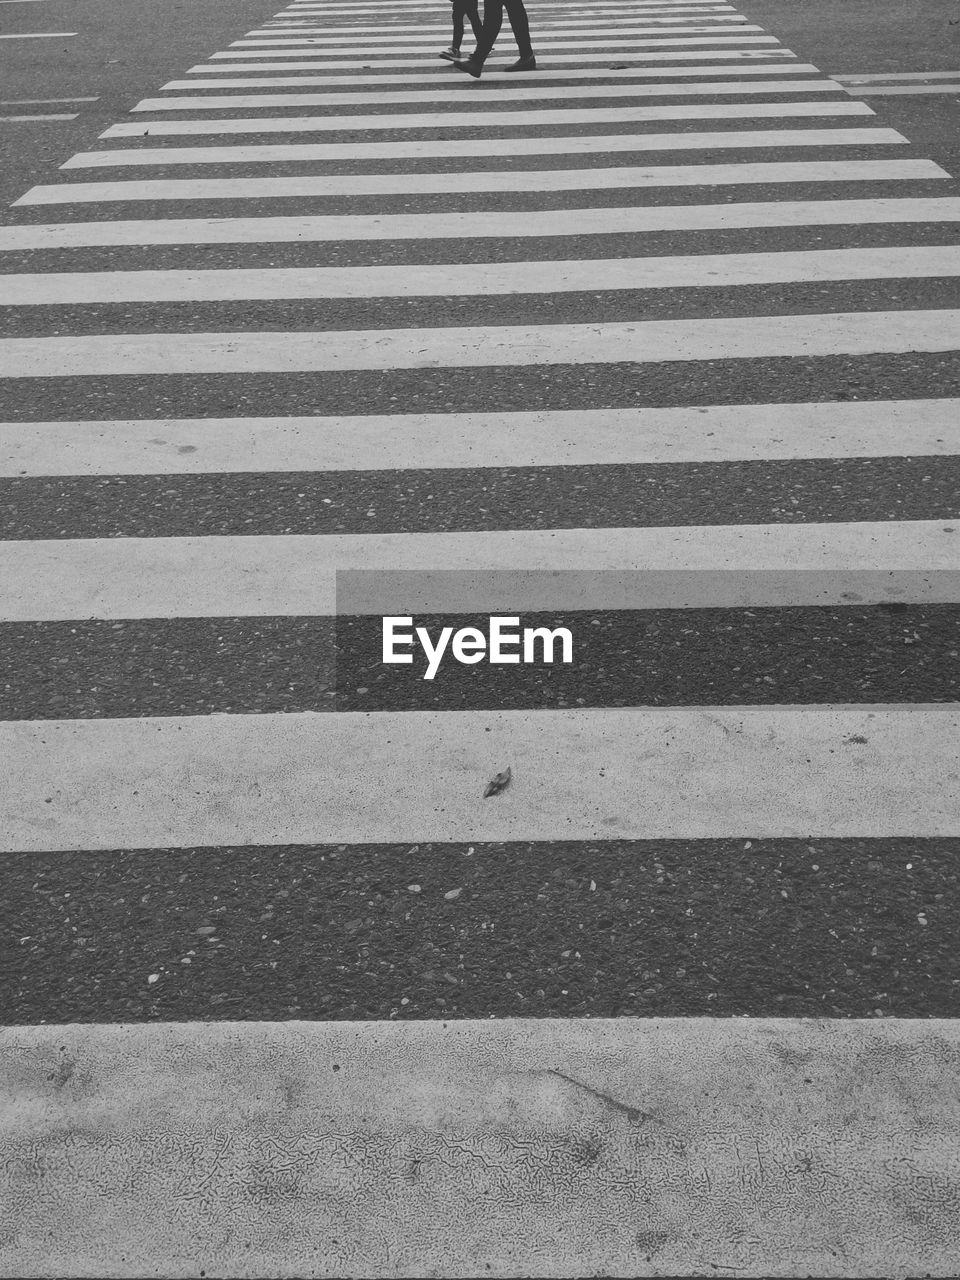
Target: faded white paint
x=546, y=1147
x=491, y=74
x=498, y=346
x=522, y=94
x=356, y=777
x=483, y=279
x=515, y=180
x=573, y=437
x=590, y=144
x=45, y=580
x=451, y=225
x=619, y=53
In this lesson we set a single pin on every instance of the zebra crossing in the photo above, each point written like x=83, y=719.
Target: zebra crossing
x=658, y=341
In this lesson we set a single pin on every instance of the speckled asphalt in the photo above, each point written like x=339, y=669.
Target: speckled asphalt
x=754, y=926
x=822, y=928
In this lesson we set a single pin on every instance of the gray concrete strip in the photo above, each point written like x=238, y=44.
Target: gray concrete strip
x=534, y=1147
x=493, y=346
x=592, y=145
x=435, y=97
x=280, y=575
x=507, y=183
x=574, y=437
x=482, y=279
x=621, y=72
x=899, y=75
x=483, y=225
x=911, y=89
x=869, y=770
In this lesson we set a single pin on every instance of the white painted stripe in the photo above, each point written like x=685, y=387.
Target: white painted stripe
x=906, y=89
x=613, y=46
x=401, y=20
x=482, y=279
x=691, y=34
x=295, y=575
x=41, y=102
x=637, y=773
x=144, y=1157
x=675, y=24
x=626, y=176
x=578, y=144
x=441, y=119
x=566, y=592
x=304, y=351
x=431, y=21
x=340, y=19
x=48, y=116
x=412, y=19
x=694, y=29
x=38, y=35
x=398, y=9
x=559, y=40
x=277, y=124
x=398, y=20
x=576, y=437
x=419, y=226
x=294, y=31
x=721, y=23
x=617, y=54
x=570, y=8
x=388, y=8
x=344, y=17
x=436, y=77
x=402, y=15
x=900, y=75
x=525, y=92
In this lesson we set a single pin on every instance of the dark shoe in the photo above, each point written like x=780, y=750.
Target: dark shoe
x=450, y=54
x=472, y=66
x=529, y=63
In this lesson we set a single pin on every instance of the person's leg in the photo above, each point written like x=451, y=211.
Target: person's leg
x=472, y=9
x=521, y=27
x=458, y=13
x=458, y=9
x=492, y=22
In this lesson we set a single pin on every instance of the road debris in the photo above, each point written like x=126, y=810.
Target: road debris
x=498, y=783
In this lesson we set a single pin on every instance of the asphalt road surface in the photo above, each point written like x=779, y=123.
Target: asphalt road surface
x=659, y=343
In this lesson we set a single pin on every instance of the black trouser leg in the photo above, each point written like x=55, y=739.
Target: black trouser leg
x=521, y=26
x=457, y=36
x=492, y=22
x=472, y=10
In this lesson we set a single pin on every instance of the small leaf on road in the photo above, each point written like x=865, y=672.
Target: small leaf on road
x=498, y=783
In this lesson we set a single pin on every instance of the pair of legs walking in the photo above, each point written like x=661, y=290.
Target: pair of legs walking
x=463, y=9
x=492, y=22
